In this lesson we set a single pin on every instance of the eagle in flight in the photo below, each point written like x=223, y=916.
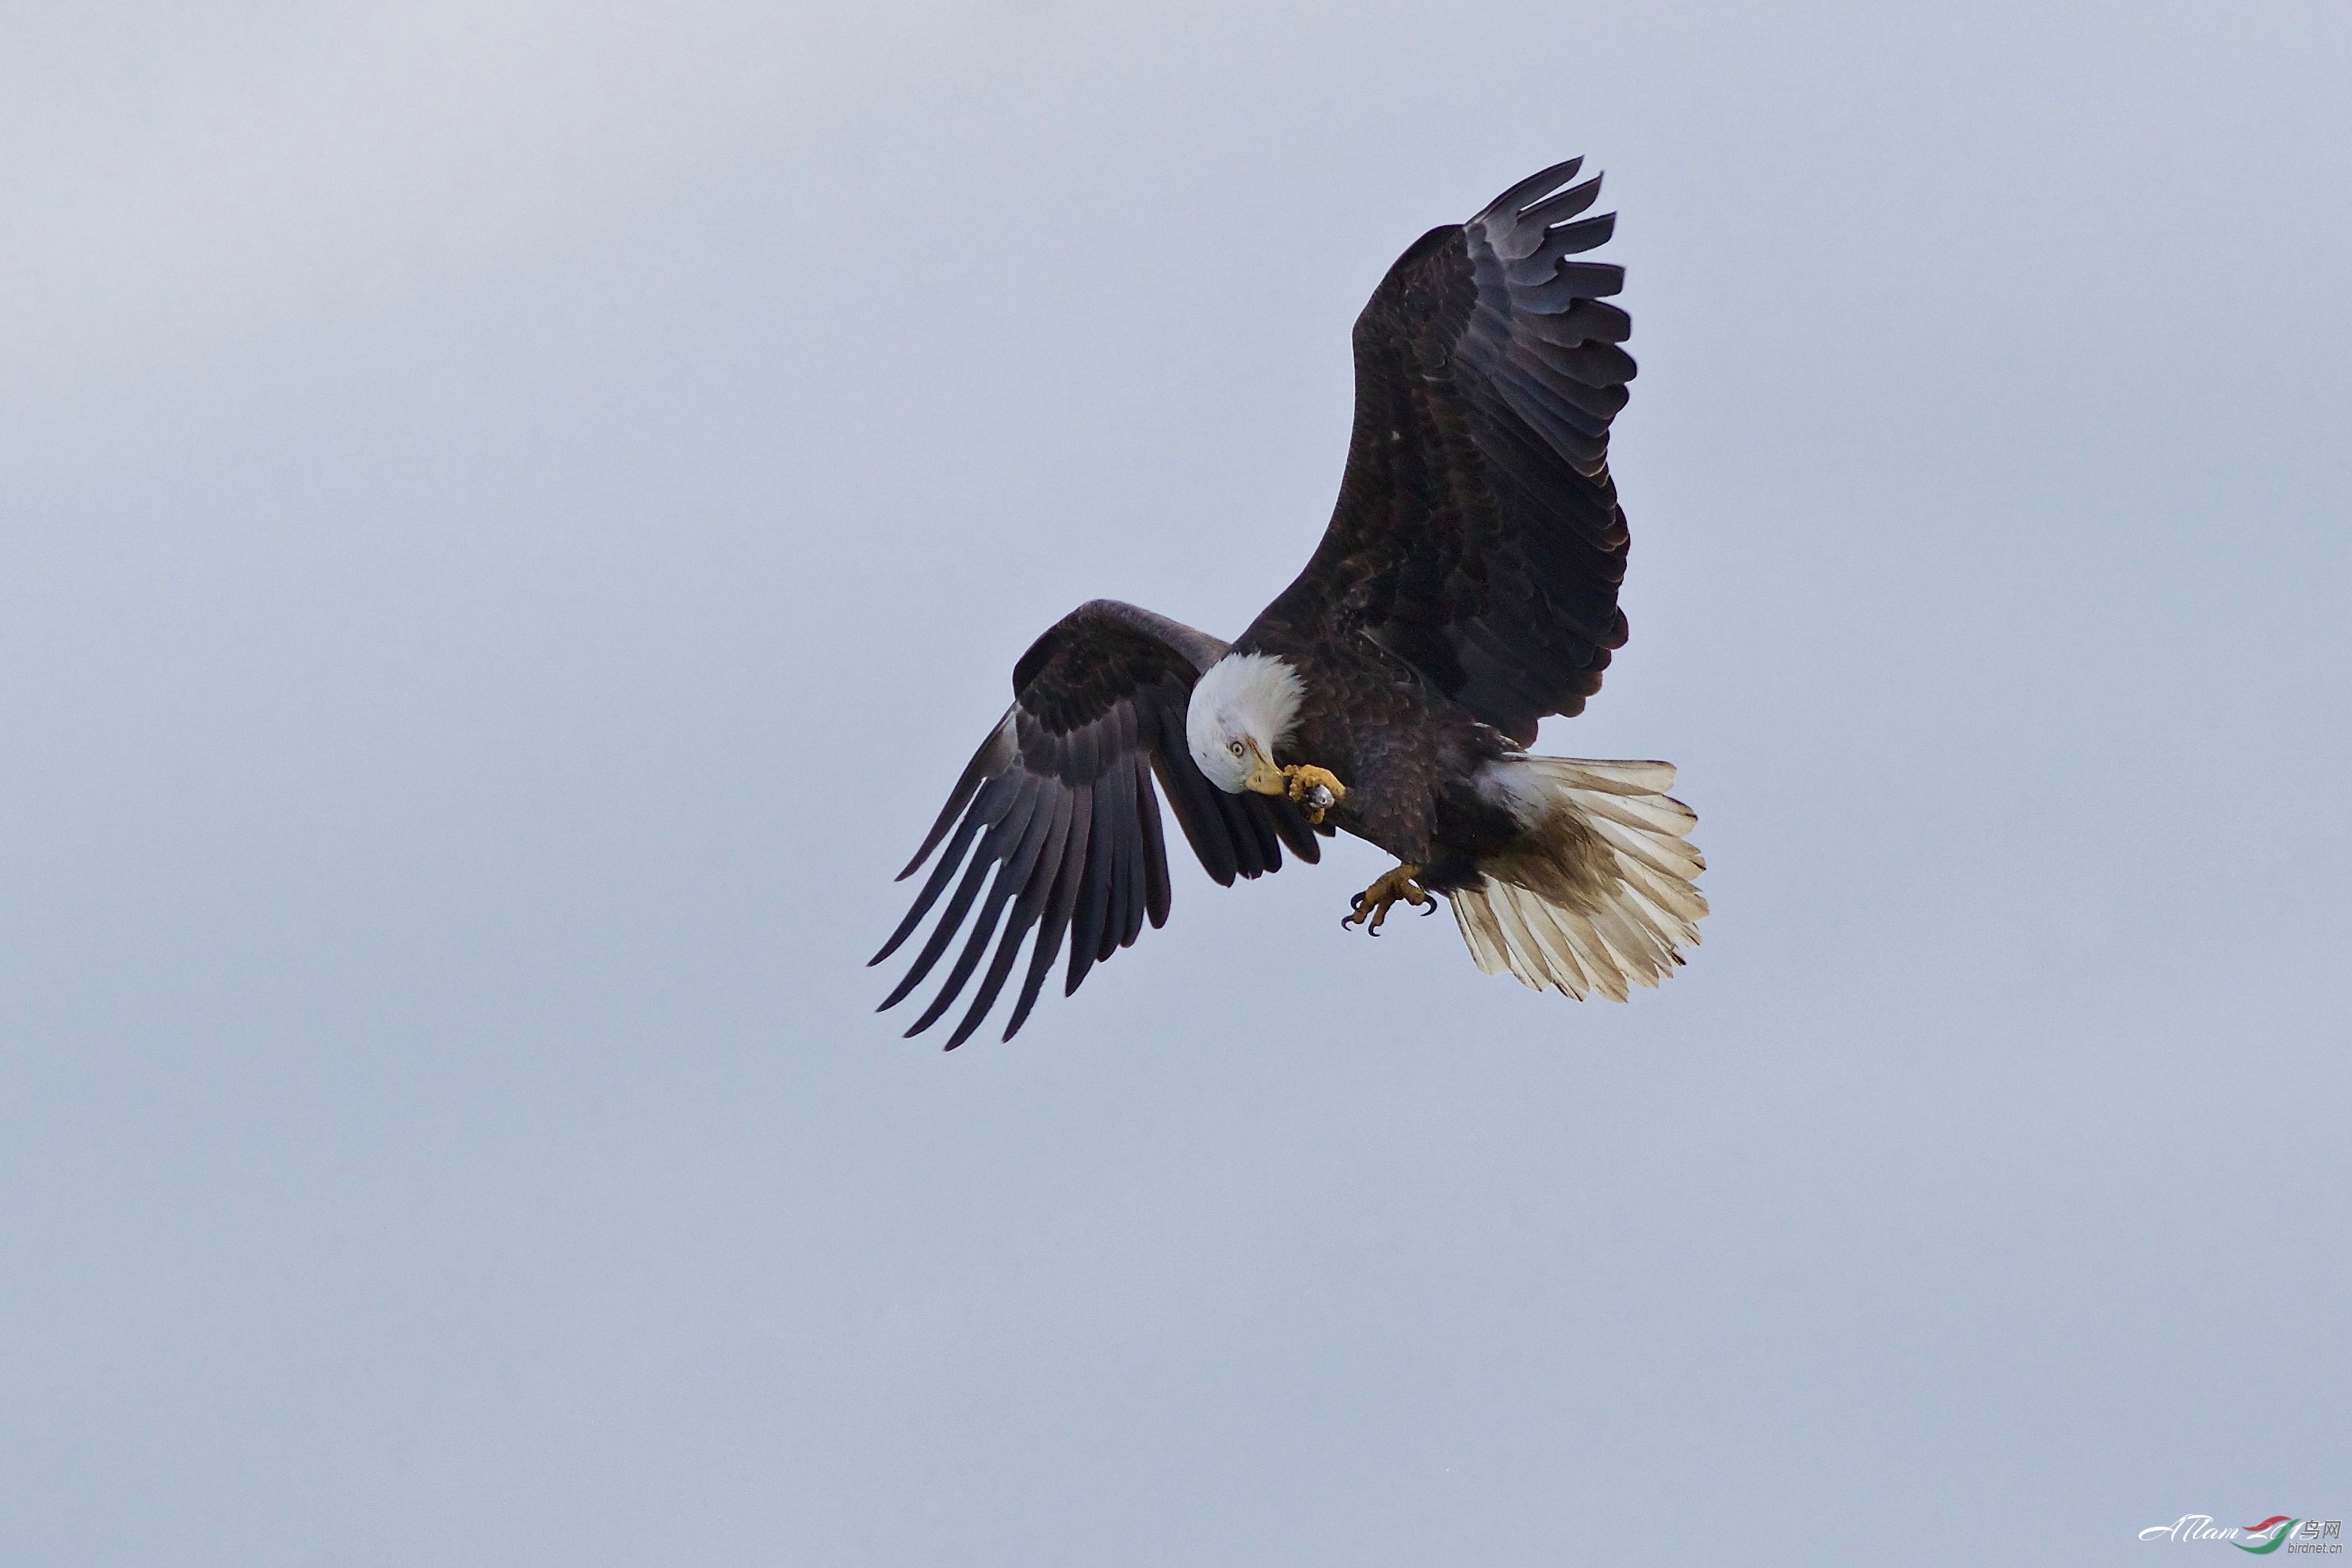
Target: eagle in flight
x=1465, y=588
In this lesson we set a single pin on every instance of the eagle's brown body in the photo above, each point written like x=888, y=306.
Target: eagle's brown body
x=1464, y=589
x=1408, y=755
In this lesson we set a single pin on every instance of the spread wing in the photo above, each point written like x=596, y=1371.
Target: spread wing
x=1058, y=800
x=1477, y=534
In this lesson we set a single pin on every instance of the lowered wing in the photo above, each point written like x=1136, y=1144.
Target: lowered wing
x=1058, y=804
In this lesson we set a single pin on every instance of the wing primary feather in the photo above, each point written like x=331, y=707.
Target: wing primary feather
x=938, y=882
x=1264, y=813
x=1523, y=234
x=1038, y=873
x=995, y=754
x=944, y=932
x=941, y=933
x=1241, y=826
x=1203, y=825
x=1139, y=877
x=1575, y=280
x=1269, y=843
x=1128, y=883
x=1093, y=903
x=1157, y=894
x=1583, y=322
x=1125, y=844
x=983, y=926
x=1190, y=797
x=1554, y=210
x=1539, y=266
x=1542, y=183
x=1012, y=873
x=991, y=983
x=1569, y=239
x=1291, y=826
x=1068, y=881
x=1587, y=364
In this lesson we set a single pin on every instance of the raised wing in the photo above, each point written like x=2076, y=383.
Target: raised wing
x=1059, y=801
x=1477, y=534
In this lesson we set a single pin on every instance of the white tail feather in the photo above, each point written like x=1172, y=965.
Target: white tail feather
x=1602, y=897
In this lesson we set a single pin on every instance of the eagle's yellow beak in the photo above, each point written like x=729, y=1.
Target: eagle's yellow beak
x=1265, y=778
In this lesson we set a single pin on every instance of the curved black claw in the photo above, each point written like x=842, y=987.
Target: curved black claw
x=1428, y=906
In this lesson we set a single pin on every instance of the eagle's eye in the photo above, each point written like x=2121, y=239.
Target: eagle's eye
x=1235, y=747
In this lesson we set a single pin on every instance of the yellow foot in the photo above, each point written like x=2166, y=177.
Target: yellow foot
x=1375, y=902
x=1316, y=788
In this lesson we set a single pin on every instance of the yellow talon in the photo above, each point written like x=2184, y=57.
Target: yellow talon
x=1375, y=902
x=1316, y=788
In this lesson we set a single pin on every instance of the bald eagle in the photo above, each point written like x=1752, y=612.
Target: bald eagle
x=1465, y=588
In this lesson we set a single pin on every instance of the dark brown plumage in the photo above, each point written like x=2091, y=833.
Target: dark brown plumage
x=1464, y=589
x=1477, y=535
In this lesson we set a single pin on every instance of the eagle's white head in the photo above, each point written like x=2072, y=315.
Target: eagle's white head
x=1242, y=707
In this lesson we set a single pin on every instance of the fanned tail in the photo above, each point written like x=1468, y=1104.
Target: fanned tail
x=1600, y=894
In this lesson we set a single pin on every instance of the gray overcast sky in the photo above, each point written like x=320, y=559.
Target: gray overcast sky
x=512, y=517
